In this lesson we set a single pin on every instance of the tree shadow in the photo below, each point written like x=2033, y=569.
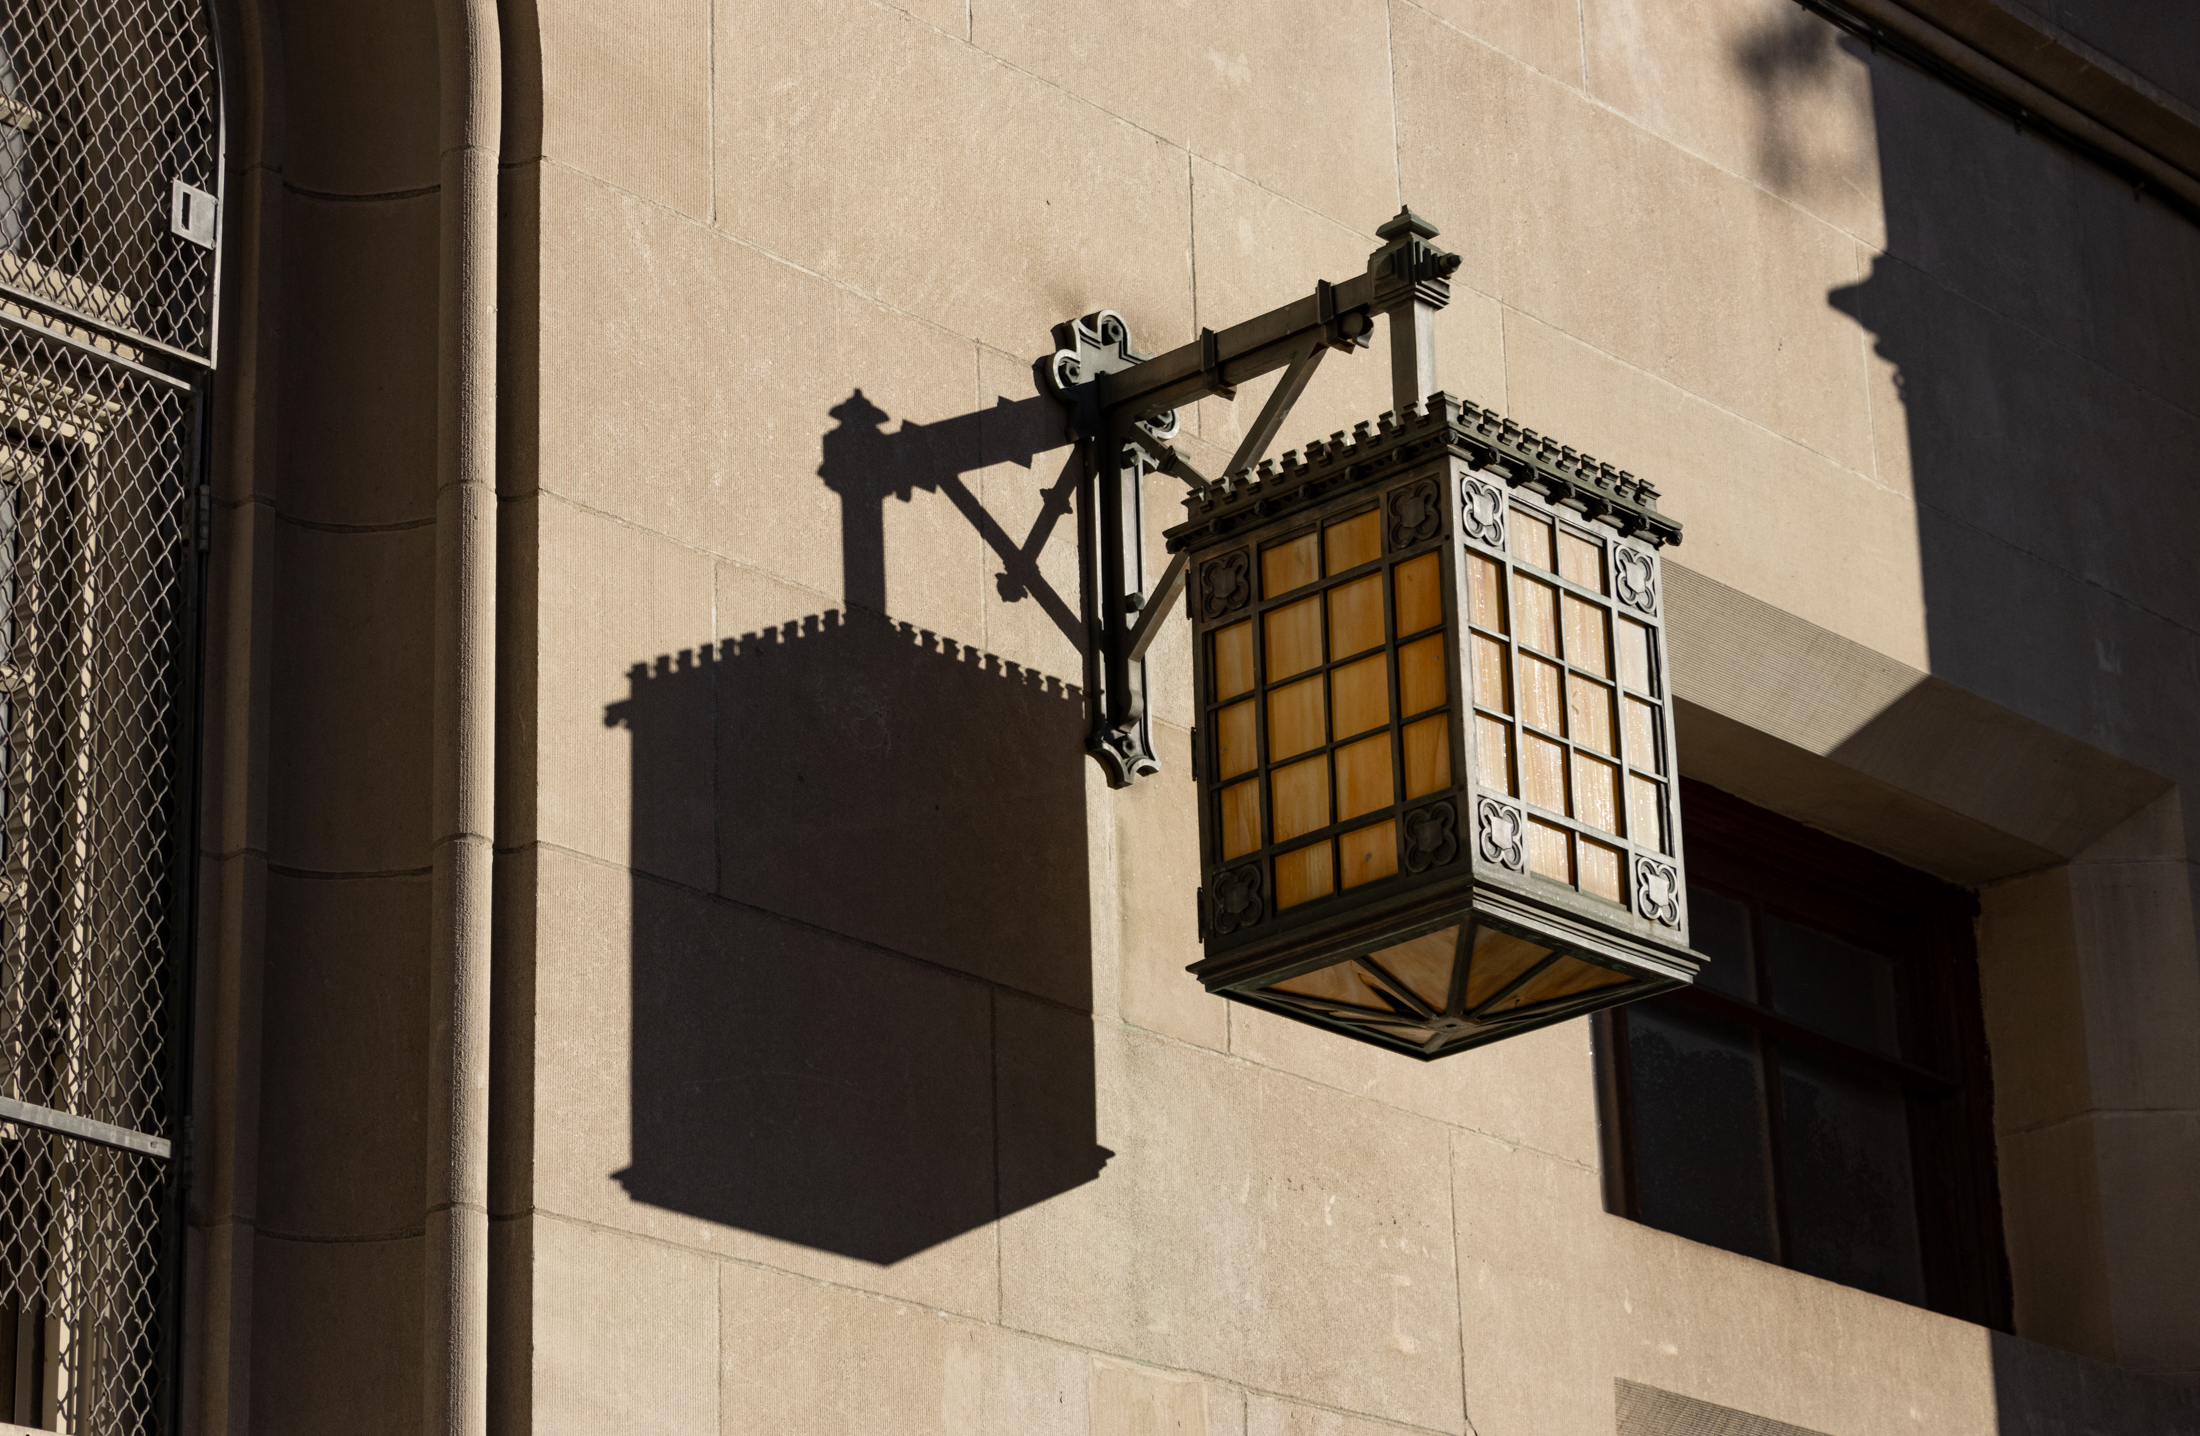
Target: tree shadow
x=863, y=1023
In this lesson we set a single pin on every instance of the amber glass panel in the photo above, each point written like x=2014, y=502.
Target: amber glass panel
x=1493, y=755
x=1421, y=683
x=1535, y=611
x=1587, y=645
x=1353, y=542
x=1356, y=616
x=1294, y=638
x=1634, y=655
x=1235, y=745
x=1531, y=539
x=1596, y=793
x=1295, y=719
x=1499, y=960
x=1540, y=686
x=1600, y=867
x=1428, y=756
x=1343, y=983
x=1492, y=686
x=1233, y=660
x=1567, y=977
x=1298, y=798
x=1364, y=781
x=1645, y=812
x=1642, y=736
x=1368, y=854
x=1359, y=694
x=1543, y=772
x=1424, y=965
x=1240, y=819
x=1303, y=876
x=1581, y=560
x=1420, y=584
x=1291, y=564
x=1485, y=593
x=1589, y=713
x=1550, y=851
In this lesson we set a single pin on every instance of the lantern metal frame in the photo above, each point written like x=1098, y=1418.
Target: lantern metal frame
x=1122, y=406
x=1461, y=860
x=1444, y=478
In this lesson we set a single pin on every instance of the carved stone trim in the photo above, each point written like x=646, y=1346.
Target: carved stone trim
x=1416, y=514
x=1657, y=892
x=1237, y=898
x=1635, y=578
x=1501, y=831
x=1482, y=511
x=1226, y=584
x=1432, y=839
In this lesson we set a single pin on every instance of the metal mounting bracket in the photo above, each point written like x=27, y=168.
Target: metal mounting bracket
x=1122, y=406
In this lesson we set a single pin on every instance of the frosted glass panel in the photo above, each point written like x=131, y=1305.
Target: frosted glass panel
x=1356, y=616
x=1353, y=542
x=1234, y=740
x=1420, y=584
x=1291, y=564
x=1361, y=693
x=1294, y=639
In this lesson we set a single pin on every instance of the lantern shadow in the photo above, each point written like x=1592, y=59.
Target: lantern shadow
x=861, y=964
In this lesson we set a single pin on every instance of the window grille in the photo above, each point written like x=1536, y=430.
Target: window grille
x=110, y=160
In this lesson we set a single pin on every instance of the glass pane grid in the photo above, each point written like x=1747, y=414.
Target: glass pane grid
x=1330, y=706
x=1566, y=707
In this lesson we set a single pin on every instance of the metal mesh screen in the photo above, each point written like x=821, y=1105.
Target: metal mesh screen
x=105, y=106
x=96, y=516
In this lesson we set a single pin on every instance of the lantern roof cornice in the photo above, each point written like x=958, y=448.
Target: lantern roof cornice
x=1523, y=458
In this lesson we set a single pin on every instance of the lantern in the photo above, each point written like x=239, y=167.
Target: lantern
x=1435, y=744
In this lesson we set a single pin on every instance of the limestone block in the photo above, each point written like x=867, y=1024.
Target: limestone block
x=626, y=95
x=360, y=96
x=1536, y=1090
x=1981, y=208
x=1757, y=87
x=1252, y=1226
x=809, y=1359
x=2149, y=1169
x=1157, y=855
x=1254, y=250
x=350, y=713
x=2053, y=1232
x=1542, y=33
x=1024, y=500
x=1759, y=511
x=704, y=1079
x=625, y=1333
x=2141, y=980
x=703, y=390
x=1267, y=1416
x=1558, y=1297
x=2031, y=989
x=2143, y=299
x=1632, y=246
x=891, y=158
x=343, y=1056
x=1132, y=1400
x=357, y=377
x=336, y=1336
x=1235, y=83
x=613, y=596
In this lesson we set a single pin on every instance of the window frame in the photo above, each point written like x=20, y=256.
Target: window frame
x=1781, y=868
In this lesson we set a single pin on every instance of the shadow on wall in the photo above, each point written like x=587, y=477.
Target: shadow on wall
x=873, y=1034
x=2040, y=320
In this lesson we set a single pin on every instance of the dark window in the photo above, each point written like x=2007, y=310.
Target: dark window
x=1820, y=1099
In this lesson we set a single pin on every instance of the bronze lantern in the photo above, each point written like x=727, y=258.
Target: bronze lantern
x=1435, y=744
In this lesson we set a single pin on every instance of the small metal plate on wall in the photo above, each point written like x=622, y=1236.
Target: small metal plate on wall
x=194, y=214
